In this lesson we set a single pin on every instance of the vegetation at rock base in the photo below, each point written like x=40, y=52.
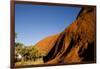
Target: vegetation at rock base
x=27, y=54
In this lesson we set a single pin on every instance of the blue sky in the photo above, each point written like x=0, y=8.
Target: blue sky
x=35, y=22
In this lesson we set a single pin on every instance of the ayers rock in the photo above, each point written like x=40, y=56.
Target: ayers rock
x=76, y=44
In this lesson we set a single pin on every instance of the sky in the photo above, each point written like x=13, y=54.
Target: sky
x=35, y=22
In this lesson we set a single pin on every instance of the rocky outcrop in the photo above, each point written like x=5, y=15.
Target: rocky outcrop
x=76, y=44
x=46, y=44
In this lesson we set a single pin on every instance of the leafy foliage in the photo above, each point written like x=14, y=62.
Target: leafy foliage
x=30, y=53
x=26, y=53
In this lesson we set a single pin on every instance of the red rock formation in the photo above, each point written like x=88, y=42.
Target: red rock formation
x=46, y=44
x=75, y=44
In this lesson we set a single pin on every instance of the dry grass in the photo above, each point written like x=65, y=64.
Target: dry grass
x=40, y=61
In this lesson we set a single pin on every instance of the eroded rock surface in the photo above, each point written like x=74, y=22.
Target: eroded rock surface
x=75, y=44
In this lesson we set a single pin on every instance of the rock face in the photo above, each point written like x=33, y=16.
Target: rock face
x=46, y=44
x=76, y=44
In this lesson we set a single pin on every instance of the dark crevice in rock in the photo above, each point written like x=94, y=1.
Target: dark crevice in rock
x=56, y=48
x=89, y=53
